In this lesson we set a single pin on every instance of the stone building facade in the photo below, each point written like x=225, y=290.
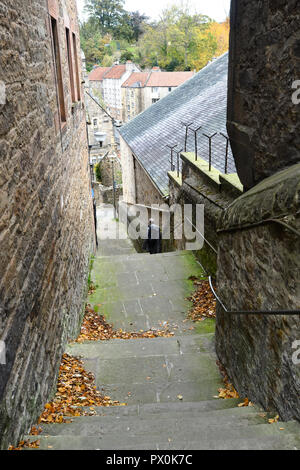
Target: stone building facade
x=100, y=128
x=259, y=234
x=112, y=82
x=138, y=186
x=46, y=215
x=142, y=89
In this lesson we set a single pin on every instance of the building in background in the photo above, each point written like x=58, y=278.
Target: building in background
x=143, y=89
x=200, y=101
x=133, y=96
x=108, y=82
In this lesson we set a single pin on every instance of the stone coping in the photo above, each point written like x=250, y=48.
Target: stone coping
x=176, y=179
x=229, y=182
x=202, y=167
x=232, y=182
x=276, y=196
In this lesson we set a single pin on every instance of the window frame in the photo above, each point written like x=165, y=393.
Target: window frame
x=74, y=37
x=58, y=69
x=70, y=64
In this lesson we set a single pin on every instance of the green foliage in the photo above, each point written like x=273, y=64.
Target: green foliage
x=180, y=40
x=126, y=55
x=107, y=14
x=98, y=172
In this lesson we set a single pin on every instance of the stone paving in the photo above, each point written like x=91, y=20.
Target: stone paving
x=170, y=384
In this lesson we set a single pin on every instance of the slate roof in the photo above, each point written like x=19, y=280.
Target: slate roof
x=201, y=100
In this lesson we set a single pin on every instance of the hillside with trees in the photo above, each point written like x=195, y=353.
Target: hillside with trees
x=179, y=40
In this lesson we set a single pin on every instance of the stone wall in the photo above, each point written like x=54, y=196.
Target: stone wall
x=259, y=269
x=146, y=192
x=46, y=217
x=263, y=64
x=216, y=191
x=104, y=122
x=105, y=194
x=138, y=188
x=108, y=165
x=132, y=102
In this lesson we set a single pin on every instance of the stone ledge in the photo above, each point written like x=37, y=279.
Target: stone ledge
x=276, y=196
x=175, y=179
x=202, y=167
x=232, y=183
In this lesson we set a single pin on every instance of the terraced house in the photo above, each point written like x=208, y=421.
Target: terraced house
x=109, y=81
x=142, y=89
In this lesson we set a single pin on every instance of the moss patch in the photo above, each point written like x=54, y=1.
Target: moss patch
x=205, y=326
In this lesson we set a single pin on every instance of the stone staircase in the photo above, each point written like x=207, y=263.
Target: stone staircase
x=170, y=384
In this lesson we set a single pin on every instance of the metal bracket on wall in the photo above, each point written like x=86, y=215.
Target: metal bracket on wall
x=210, y=137
x=186, y=133
x=196, y=143
x=227, y=150
x=172, y=151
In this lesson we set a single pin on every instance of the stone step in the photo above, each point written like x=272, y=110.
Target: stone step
x=143, y=393
x=154, y=409
x=190, y=367
x=139, y=256
x=119, y=348
x=194, y=437
x=174, y=421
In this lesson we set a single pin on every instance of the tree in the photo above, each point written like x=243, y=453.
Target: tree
x=107, y=13
x=172, y=41
x=221, y=33
x=93, y=44
x=125, y=56
x=137, y=22
x=204, y=49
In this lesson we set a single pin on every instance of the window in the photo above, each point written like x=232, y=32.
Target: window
x=76, y=67
x=58, y=71
x=95, y=122
x=170, y=89
x=70, y=63
x=154, y=89
x=154, y=100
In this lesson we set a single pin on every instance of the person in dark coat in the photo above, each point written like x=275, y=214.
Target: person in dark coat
x=153, y=242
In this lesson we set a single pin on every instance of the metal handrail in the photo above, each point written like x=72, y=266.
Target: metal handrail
x=251, y=312
x=209, y=244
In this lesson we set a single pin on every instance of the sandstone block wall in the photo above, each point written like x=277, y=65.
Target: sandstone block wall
x=109, y=165
x=105, y=194
x=263, y=121
x=194, y=187
x=46, y=217
x=259, y=269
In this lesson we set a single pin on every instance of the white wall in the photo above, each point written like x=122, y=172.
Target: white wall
x=129, y=194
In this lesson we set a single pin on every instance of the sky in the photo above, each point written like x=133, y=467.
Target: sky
x=216, y=9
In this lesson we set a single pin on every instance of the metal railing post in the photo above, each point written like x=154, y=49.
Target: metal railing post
x=210, y=139
x=227, y=149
